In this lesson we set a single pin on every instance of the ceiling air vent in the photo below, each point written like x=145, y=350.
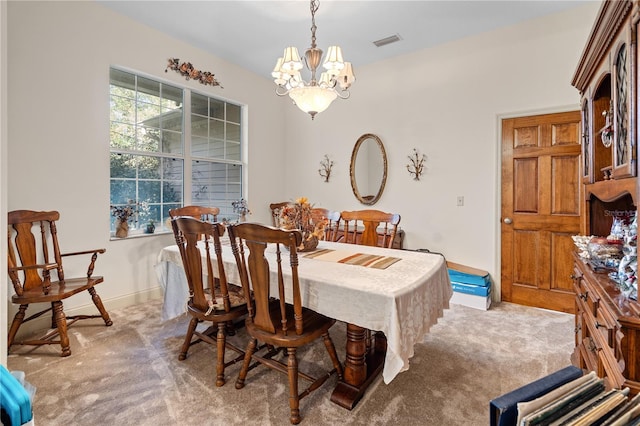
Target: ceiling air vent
x=387, y=40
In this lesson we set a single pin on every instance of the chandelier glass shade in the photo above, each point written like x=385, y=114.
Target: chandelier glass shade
x=317, y=94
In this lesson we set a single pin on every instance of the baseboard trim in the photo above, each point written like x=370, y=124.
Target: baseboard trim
x=43, y=323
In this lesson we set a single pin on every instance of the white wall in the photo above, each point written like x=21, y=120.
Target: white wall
x=445, y=101
x=3, y=178
x=58, y=95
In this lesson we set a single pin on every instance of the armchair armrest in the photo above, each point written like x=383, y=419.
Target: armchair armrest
x=75, y=253
x=46, y=267
x=94, y=256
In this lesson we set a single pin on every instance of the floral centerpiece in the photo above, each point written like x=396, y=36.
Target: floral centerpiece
x=299, y=216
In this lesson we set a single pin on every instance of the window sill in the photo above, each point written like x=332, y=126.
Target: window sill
x=138, y=234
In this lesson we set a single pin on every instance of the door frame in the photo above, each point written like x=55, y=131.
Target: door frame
x=497, y=278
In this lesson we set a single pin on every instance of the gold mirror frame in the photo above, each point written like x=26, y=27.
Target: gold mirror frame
x=367, y=199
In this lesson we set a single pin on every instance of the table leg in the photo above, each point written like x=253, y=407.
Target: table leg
x=362, y=365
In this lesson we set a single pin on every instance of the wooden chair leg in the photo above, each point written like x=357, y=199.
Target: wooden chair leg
x=221, y=339
x=294, y=402
x=98, y=302
x=15, y=324
x=187, y=339
x=251, y=348
x=61, y=324
x=231, y=328
x=53, y=316
x=328, y=343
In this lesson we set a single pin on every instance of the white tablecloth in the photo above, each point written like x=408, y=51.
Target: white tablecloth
x=403, y=301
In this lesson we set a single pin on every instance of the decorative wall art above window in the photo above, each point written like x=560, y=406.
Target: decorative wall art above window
x=416, y=165
x=189, y=72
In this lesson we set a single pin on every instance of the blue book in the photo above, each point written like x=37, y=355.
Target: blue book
x=503, y=410
x=463, y=277
x=14, y=399
x=475, y=290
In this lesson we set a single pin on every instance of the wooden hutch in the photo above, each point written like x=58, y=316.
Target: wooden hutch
x=607, y=332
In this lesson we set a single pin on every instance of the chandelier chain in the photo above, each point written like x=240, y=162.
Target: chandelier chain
x=315, y=4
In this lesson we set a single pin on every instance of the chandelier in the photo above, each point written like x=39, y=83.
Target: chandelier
x=315, y=95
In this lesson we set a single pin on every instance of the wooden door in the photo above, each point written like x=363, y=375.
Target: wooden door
x=541, y=184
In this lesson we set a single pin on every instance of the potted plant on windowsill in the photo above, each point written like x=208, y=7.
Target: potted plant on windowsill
x=150, y=228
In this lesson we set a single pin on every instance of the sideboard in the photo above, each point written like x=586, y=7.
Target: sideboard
x=607, y=329
x=607, y=325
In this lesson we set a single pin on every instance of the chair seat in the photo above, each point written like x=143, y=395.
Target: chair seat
x=236, y=299
x=58, y=291
x=314, y=325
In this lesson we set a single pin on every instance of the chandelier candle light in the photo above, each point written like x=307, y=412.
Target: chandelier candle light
x=316, y=95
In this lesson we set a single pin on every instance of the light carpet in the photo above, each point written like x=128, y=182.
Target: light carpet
x=129, y=373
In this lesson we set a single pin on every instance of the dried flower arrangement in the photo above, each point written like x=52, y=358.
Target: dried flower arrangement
x=241, y=208
x=299, y=216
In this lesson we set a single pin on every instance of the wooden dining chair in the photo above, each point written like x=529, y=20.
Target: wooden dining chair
x=330, y=219
x=369, y=227
x=206, y=214
x=272, y=321
x=33, y=240
x=217, y=301
x=276, y=209
x=318, y=214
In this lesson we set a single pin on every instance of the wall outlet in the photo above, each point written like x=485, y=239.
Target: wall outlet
x=460, y=201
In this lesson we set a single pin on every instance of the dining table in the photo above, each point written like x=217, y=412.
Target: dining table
x=394, y=295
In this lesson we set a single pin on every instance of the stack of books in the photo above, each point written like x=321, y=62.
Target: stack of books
x=566, y=401
x=471, y=286
x=15, y=399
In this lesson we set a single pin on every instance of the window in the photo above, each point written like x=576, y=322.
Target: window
x=166, y=138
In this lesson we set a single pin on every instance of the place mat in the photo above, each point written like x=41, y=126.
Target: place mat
x=350, y=258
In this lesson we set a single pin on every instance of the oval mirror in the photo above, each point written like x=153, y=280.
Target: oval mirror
x=368, y=169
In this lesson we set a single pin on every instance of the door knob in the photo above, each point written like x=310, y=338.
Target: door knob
x=508, y=220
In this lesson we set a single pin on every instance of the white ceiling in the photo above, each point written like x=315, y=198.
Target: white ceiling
x=253, y=34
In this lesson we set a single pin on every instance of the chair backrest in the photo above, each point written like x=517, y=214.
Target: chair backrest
x=188, y=232
x=276, y=209
x=33, y=249
x=330, y=219
x=318, y=214
x=255, y=273
x=370, y=227
x=206, y=214
x=333, y=226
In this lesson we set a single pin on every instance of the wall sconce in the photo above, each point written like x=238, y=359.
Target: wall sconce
x=416, y=167
x=189, y=72
x=325, y=168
